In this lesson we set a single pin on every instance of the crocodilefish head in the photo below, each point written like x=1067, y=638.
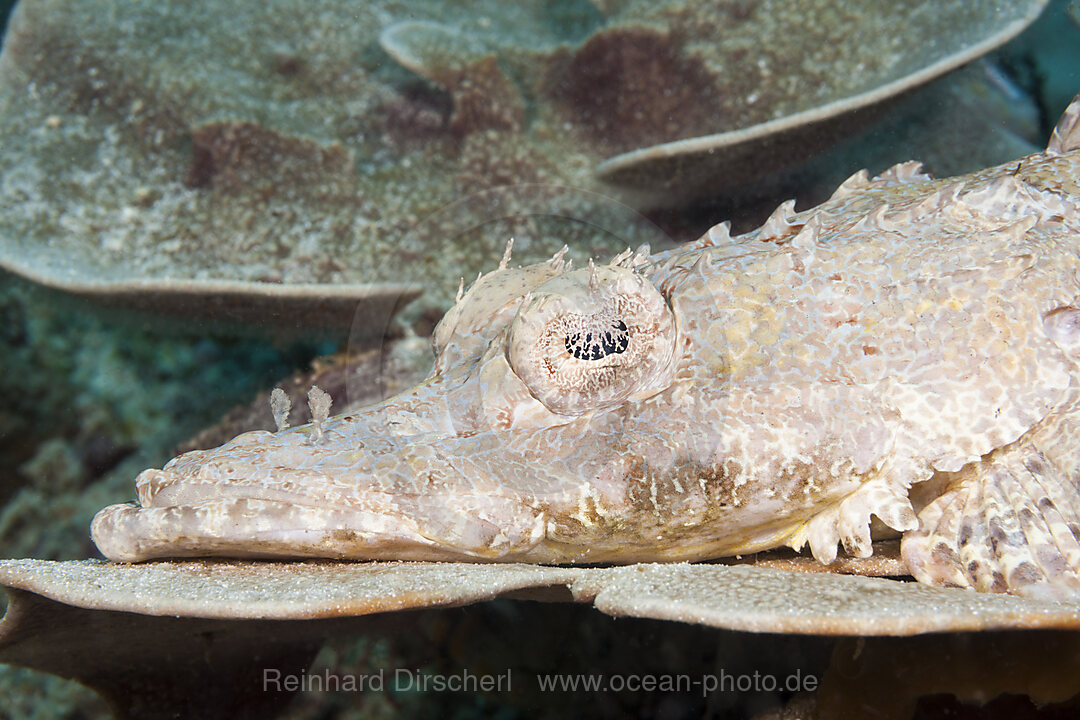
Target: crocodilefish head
x=554, y=426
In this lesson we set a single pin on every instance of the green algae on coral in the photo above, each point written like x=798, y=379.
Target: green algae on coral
x=244, y=158
x=810, y=89
x=155, y=151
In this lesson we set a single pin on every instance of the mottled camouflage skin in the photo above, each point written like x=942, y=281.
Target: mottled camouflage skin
x=908, y=349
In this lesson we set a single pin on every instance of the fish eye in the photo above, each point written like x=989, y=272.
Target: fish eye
x=610, y=341
x=590, y=339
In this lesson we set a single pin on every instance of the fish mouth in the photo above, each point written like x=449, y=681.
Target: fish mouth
x=425, y=528
x=289, y=500
x=242, y=527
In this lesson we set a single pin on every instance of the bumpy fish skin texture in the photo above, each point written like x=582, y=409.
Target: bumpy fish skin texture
x=908, y=349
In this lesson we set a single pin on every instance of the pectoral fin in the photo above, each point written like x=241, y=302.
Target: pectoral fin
x=1010, y=523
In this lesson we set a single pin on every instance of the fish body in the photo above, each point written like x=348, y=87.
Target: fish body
x=909, y=350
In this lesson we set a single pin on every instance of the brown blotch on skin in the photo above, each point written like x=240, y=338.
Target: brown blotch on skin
x=1037, y=465
x=998, y=537
x=344, y=537
x=1053, y=563
x=720, y=484
x=1027, y=517
x=631, y=87
x=963, y=537
x=943, y=554
x=1025, y=574
x=998, y=583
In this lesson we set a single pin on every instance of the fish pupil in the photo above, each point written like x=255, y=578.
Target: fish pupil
x=610, y=342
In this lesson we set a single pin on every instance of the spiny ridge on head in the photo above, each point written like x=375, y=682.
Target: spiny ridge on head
x=557, y=263
x=506, y=254
x=1066, y=135
x=632, y=259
